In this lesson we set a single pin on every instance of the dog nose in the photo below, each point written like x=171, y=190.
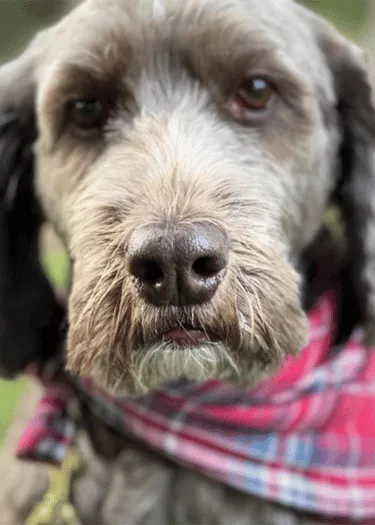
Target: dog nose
x=178, y=266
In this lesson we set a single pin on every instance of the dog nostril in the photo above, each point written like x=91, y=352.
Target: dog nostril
x=178, y=265
x=208, y=266
x=148, y=271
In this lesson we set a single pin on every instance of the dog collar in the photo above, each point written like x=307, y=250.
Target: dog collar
x=304, y=438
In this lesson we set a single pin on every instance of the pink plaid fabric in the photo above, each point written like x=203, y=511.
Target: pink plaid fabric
x=304, y=438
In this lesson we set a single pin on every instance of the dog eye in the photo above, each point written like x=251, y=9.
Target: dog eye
x=87, y=115
x=255, y=94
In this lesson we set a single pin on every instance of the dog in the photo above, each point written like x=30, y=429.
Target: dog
x=185, y=153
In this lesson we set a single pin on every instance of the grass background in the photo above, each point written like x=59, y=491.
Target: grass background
x=20, y=19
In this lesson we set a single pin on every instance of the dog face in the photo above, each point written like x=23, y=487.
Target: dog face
x=185, y=153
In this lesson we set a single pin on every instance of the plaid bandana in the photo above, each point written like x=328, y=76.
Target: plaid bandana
x=304, y=438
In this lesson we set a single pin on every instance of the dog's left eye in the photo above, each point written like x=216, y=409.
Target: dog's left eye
x=255, y=93
x=87, y=115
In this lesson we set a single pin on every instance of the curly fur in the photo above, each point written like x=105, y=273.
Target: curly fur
x=172, y=152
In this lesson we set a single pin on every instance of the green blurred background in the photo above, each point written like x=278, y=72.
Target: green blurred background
x=20, y=19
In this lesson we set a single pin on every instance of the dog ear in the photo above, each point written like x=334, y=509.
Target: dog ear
x=355, y=192
x=30, y=315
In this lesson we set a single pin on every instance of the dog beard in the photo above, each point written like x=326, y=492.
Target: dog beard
x=154, y=366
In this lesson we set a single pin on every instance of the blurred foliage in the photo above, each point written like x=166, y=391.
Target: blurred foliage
x=57, y=266
x=21, y=19
x=9, y=394
x=349, y=16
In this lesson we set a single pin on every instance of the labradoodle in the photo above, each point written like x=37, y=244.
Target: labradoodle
x=186, y=153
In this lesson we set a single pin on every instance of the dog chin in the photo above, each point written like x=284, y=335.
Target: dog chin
x=154, y=366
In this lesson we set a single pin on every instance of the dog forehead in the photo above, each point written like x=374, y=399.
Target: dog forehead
x=161, y=10
x=156, y=8
x=156, y=18
x=120, y=34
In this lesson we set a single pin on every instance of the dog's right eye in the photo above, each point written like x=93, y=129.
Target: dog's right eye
x=87, y=115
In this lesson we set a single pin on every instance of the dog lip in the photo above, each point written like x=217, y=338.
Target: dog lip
x=187, y=336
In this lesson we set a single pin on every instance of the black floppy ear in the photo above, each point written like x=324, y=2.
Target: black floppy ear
x=30, y=315
x=355, y=193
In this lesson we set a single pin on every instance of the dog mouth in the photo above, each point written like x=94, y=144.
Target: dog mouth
x=187, y=337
